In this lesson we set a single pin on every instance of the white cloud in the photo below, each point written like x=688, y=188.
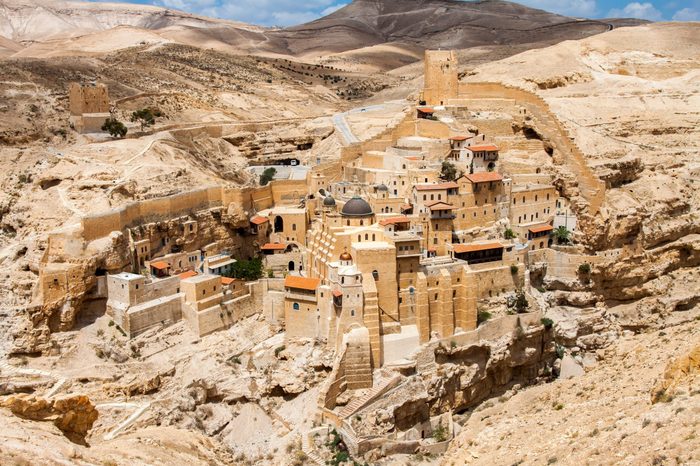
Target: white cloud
x=332, y=9
x=565, y=7
x=637, y=10
x=687, y=14
x=263, y=12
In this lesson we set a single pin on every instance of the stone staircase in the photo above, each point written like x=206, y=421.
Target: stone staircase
x=381, y=386
x=309, y=452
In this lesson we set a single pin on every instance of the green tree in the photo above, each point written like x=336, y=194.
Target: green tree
x=521, y=303
x=449, y=172
x=509, y=234
x=247, y=270
x=114, y=127
x=267, y=175
x=145, y=117
x=561, y=234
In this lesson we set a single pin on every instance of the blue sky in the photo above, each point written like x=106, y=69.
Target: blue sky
x=290, y=12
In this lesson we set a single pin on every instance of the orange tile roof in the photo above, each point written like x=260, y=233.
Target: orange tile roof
x=458, y=138
x=227, y=280
x=258, y=220
x=301, y=283
x=426, y=110
x=337, y=293
x=160, y=265
x=541, y=228
x=406, y=206
x=273, y=246
x=394, y=220
x=436, y=186
x=411, y=157
x=461, y=248
x=440, y=206
x=485, y=147
x=188, y=274
x=484, y=177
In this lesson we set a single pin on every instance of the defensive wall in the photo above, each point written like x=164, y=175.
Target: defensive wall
x=592, y=189
x=279, y=192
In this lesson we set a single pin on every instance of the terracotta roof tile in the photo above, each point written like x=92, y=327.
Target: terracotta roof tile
x=458, y=138
x=541, y=228
x=258, y=220
x=484, y=177
x=301, y=283
x=483, y=148
x=426, y=109
x=337, y=293
x=462, y=248
x=273, y=246
x=394, y=220
x=440, y=206
x=188, y=274
x=227, y=280
x=160, y=265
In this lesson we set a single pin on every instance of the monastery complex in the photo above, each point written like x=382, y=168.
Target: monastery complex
x=376, y=255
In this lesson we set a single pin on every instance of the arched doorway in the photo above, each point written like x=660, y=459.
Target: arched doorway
x=291, y=266
x=279, y=224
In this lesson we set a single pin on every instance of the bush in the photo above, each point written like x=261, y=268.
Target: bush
x=145, y=117
x=514, y=269
x=453, y=344
x=114, y=127
x=440, y=433
x=482, y=317
x=584, y=269
x=267, y=175
x=509, y=234
x=547, y=322
x=248, y=270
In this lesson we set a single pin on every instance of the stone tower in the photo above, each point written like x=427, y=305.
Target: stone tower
x=89, y=107
x=441, y=83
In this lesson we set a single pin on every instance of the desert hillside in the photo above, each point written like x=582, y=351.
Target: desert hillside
x=599, y=367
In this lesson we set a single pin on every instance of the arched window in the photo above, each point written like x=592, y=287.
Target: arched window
x=366, y=236
x=375, y=274
x=294, y=227
x=535, y=197
x=362, y=222
x=373, y=237
x=352, y=313
x=295, y=306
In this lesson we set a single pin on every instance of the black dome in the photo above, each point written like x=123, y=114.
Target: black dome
x=382, y=187
x=356, y=207
x=328, y=201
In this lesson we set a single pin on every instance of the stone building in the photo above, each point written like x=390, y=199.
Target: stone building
x=441, y=83
x=89, y=107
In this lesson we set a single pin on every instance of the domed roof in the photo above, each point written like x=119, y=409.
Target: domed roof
x=345, y=256
x=356, y=207
x=328, y=201
x=382, y=187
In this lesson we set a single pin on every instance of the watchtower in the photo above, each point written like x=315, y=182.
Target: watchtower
x=440, y=75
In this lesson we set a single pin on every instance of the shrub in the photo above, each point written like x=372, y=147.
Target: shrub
x=111, y=323
x=114, y=127
x=584, y=269
x=100, y=332
x=440, y=433
x=558, y=406
x=514, y=269
x=509, y=234
x=267, y=175
x=482, y=317
x=270, y=274
x=547, y=322
x=453, y=344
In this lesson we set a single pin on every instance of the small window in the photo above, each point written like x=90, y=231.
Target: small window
x=352, y=313
x=295, y=306
x=375, y=274
x=294, y=227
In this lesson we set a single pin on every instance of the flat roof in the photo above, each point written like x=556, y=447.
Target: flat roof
x=436, y=186
x=372, y=245
x=128, y=275
x=200, y=278
x=462, y=248
x=458, y=138
x=301, y=283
